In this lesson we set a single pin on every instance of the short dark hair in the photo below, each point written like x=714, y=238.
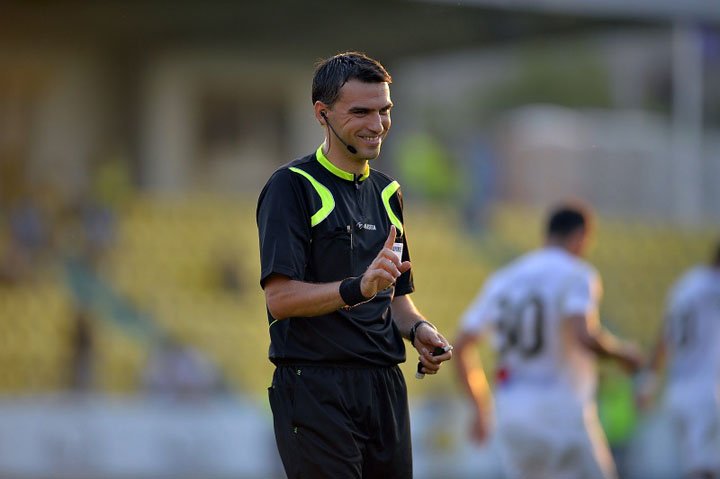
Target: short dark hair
x=566, y=220
x=332, y=73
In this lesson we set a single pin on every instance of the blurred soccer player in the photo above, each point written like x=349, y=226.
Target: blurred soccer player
x=691, y=341
x=543, y=309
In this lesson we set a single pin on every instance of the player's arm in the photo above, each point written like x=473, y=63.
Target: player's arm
x=592, y=335
x=580, y=309
x=646, y=381
x=427, y=338
x=658, y=354
x=472, y=377
x=287, y=298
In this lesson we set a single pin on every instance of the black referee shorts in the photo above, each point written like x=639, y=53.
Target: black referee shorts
x=341, y=422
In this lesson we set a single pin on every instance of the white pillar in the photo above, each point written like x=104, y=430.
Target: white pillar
x=687, y=122
x=169, y=133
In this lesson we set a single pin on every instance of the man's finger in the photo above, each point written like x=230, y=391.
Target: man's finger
x=389, y=266
x=381, y=277
x=390, y=241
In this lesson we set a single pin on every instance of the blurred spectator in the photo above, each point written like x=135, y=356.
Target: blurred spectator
x=82, y=367
x=480, y=177
x=178, y=371
x=28, y=237
x=427, y=168
x=98, y=223
x=616, y=409
x=228, y=272
x=109, y=191
x=27, y=226
x=91, y=221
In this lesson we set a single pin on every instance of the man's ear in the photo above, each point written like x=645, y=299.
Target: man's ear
x=320, y=109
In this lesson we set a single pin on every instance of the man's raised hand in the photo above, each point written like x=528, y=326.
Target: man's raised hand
x=385, y=268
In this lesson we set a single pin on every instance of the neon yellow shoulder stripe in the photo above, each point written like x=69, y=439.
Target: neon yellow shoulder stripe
x=386, y=194
x=328, y=202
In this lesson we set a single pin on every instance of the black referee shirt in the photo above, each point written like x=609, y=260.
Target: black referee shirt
x=319, y=224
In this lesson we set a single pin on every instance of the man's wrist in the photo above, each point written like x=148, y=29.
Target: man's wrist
x=645, y=381
x=351, y=292
x=414, y=328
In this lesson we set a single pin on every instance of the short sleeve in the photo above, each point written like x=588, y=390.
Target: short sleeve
x=676, y=300
x=405, y=283
x=483, y=311
x=283, y=227
x=582, y=295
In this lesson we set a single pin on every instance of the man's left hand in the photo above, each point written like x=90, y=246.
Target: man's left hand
x=426, y=340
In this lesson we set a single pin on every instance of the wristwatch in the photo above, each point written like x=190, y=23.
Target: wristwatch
x=414, y=327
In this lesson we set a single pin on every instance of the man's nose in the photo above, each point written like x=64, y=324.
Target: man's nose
x=375, y=123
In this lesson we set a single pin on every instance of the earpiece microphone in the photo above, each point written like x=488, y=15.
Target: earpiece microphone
x=350, y=148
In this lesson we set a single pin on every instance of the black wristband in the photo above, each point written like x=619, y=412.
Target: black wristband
x=413, y=330
x=351, y=293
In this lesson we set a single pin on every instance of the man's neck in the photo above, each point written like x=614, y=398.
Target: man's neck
x=559, y=244
x=340, y=159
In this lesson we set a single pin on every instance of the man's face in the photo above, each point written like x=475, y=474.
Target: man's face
x=361, y=116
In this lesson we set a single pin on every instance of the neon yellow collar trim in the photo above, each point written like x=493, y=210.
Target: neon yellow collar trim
x=337, y=171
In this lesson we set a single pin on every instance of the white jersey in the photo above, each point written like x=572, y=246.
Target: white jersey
x=525, y=305
x=692, y=327
x=547, y=423
x=692, y=333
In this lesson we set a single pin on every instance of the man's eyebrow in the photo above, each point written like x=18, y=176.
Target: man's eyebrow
x=363, y=109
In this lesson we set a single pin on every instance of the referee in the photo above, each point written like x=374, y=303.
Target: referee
x=336, y=275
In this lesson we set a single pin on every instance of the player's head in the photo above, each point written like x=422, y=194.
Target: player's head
x=332, y=73
x=569, y=226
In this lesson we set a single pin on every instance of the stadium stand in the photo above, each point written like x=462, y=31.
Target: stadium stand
x=189, y=267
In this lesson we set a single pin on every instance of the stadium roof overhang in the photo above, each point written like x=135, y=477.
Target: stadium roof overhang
x=703, y=11
x=302, y=30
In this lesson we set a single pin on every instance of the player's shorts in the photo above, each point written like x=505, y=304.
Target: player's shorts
x=549, y=434
x=336, y=422
x=695, y=412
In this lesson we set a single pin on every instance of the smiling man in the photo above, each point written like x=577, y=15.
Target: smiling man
x=337, y=277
